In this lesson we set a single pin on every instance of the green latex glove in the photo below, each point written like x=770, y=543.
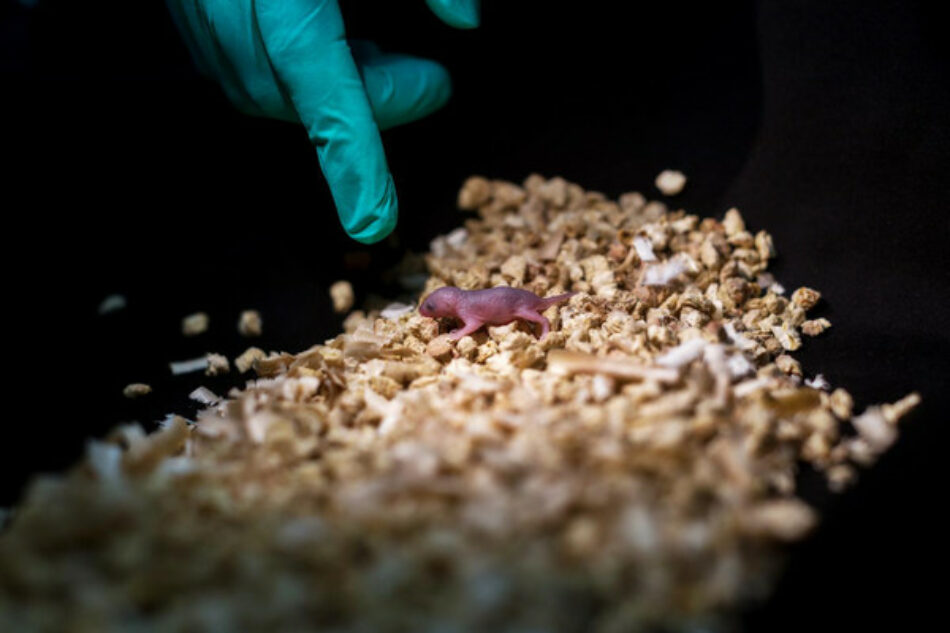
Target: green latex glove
x=290, y=60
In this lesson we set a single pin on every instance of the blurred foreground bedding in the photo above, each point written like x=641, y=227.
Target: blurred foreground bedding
x=636, y=469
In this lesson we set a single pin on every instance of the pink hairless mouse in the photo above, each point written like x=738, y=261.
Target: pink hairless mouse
x=492, y=306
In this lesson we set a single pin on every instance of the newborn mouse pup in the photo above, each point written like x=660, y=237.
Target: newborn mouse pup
x=492, y=306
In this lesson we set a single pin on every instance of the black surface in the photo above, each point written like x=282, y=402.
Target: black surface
x=825, y=122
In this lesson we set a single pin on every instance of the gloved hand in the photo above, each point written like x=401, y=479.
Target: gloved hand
x=290, y=60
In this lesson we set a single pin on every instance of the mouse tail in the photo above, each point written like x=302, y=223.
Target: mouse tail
x=547, y=302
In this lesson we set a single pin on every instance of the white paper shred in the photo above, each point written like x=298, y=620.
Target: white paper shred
x=204, y=396
x=682, y=354
x=818, y=382
x=739, y=366
x=396, y=310
x=740, y=341
x=189, y=366
x=662, y=274
x=644, y=248
x=456, y=238
x=106, y=461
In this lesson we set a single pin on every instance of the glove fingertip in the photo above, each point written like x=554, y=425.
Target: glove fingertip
x=461, y=14
x=369, y=226
x=435, y=87
x=440, y=85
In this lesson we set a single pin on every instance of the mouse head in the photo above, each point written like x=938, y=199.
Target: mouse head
x=441, y=302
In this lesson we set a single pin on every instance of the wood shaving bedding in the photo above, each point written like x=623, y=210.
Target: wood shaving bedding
x=635, y=469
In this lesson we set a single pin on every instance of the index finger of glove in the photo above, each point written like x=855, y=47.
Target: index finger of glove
x=306, y=45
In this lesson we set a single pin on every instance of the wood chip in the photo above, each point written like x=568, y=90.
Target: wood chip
x=217, y=365
x=194, y=324
x=136, y=390
x=250, y=323
x=246, y=360
x=670, y=182
x=341, y=293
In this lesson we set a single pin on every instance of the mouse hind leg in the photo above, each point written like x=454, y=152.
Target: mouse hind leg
x=534, y=317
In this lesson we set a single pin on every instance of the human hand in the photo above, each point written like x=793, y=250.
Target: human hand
x=290, y=60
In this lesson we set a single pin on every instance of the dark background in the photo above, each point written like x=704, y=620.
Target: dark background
x=824, y=122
